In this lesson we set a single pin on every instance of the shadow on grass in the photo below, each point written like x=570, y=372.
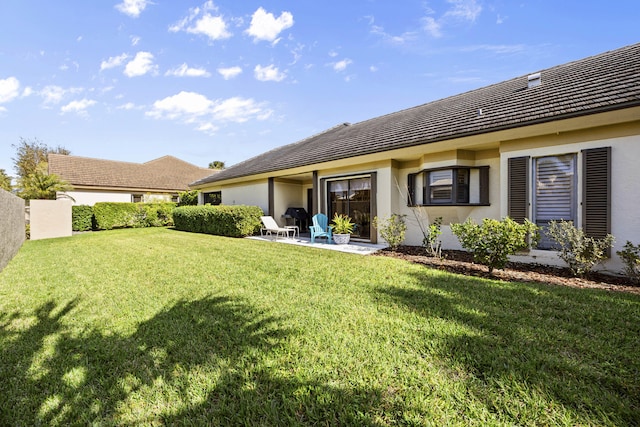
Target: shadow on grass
x=524, y=348
x=206, y=362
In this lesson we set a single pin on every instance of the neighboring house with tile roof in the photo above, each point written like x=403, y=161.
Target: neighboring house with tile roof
x=561, y=143
x=98, y=180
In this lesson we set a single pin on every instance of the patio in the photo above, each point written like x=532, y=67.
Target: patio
x=353, y=247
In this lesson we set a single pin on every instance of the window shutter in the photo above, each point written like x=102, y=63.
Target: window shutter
x=484, y=185
x=518, y=188
x=596, y=190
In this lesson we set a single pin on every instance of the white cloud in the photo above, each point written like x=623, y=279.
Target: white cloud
x=133, y=8
x=200, y=21
x=342, y=65
x=135, y=40
x=28, y=91
x=229, y=73
x=140, y=65
x=239, y=110
x=78, y=107
x=466, y=10
x=460, y=11
x=185, y=71
x=265, y=26
x=52, y=94
x=497, y=49
x=9, y=89
x=373, y=68
x=113, y=61
x=206, y=114
x=431, y=26
x=127, y=106
x=390, y=38
x=268, y=73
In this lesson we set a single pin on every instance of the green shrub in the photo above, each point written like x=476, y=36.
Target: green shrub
x=82, y=218
x=221, y=220
x=579, y=251
x=493, y=241
x=188, y=198
x=110, y=215
x=158, y=214
x=431, y=240
x=392, y=229
x=630, y=255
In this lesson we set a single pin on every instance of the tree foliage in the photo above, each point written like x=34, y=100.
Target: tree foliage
x=31, y=153
x=41, y=185
x=216, y=164
x=5, y=180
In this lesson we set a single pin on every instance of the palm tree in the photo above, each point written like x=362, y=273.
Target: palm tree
x=41, y=185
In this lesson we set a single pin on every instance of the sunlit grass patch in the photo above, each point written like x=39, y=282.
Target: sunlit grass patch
x=159, y=327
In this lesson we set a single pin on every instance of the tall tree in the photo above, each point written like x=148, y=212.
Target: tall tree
x=30, y=153
x=5, y=180
x=216, y=164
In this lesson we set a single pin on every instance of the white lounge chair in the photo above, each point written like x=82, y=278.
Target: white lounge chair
x=271, y=227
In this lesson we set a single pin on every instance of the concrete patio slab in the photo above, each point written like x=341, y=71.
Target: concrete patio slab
x=352, y=247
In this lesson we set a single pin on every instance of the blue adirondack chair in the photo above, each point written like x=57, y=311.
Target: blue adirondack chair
x=320, y=228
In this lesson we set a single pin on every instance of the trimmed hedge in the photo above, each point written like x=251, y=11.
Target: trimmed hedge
x=82, y=218
x=221, y=220
x=110, y=215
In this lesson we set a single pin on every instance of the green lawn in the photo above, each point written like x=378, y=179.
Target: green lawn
x=160, y=327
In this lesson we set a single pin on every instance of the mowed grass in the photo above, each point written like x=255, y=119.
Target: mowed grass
x=160, y=327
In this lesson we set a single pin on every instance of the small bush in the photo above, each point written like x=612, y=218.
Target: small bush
x=188, y=198
x=82, y=218
x=579, y=251
x=221, y=220
x=110, y=215
x=392, y=229
x=630, y=255
x=493, y=241
x=431, y=240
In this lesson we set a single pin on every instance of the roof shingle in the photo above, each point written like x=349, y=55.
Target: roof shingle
x=165, y=173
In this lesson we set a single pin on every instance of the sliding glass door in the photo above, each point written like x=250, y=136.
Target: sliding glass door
x=352, y=196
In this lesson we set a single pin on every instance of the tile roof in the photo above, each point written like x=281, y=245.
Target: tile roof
x=166, y=173
x=604, y=82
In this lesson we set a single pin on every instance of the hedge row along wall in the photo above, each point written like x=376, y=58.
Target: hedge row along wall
x=110, y=215
x=230, y=221
x=12, y=226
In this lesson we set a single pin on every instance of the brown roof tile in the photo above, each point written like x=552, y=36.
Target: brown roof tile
x=166, y=173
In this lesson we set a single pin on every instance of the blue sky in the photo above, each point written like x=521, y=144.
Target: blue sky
x=134, y=80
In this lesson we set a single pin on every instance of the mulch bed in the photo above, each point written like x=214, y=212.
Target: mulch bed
x=462, y=263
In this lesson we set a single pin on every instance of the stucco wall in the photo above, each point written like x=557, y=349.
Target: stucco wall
x=253, y=194
x=50, y=218
x=12, y=226
x=286, y=195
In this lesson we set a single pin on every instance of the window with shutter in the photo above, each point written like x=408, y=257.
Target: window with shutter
x=454, y=186
x=555, y=195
